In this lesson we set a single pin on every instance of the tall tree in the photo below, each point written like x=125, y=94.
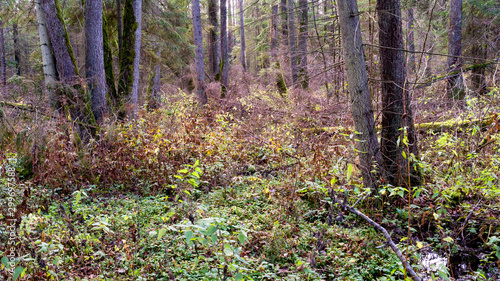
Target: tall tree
x=292, y=41
x=137, y=50
x=410, y=40
x=108, y=64
x=361, y=105
x=454, y=82
x=303, y=36
x=397, y=120
x=127, y=61
x=213, y=39
x=154, y=85
x=224, y=47
x=198, y=42
x=119, y=24
x=94, y=57
x=17, y=47
x=284, y=22
x=49, y=64
x=242, y=37
x=3, y=67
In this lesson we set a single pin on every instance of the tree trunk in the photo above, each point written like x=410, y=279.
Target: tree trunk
x=410, y=41
x=242, y=37
x=17, y=48
x=303, y=35
x=108, y=65
x=455, y=82
x=71, y=96
x=3, y=67
x=154, y=85
x=361, y=106
x=213, y=39
x=94, y=58
x=224, y=48
x=397, y=120
x=119, y=27
x=137, y=50
x=274, y=33
x=127, y=59
x=61, y=47
x=292, y=43
x=284, y=22
x=198, y=42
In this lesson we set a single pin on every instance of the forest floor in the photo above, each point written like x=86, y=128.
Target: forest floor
x=239, y=190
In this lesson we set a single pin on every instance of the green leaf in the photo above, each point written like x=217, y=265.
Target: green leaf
x=17, y=272
x=349, y=171
x=5, y=261
x=183, y=171
x=211, y=230
x=161, y=232
x=189, y=235
x=443, y=275
x=241, y=238
x=448, y=239
x=214, y=238
x=228, y=251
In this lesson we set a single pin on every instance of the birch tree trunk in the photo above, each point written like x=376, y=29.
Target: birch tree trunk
x=242, y=37
x=454, y=82
x=213, y=39
x=137, y=50
x=198, y=42
x=303, y=36
x=398, y=131
x=94, y=58
x=359, y=92
x=292, y=41
x=224, y=48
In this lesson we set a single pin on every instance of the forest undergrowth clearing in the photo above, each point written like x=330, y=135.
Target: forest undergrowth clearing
x=145, y=201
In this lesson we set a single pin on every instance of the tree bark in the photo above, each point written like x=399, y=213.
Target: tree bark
x=61, y=47
x=17, y=48
x=284, y=22
x=274, y=33
x=127, y=61
x=3, y=68
x=108, y=65
x=242, y=37
x=94, y=58
x=119, y=25
x=198, y=42
x=137, y=49
x=455, y=83
x=410, y=41
x=303, y=36
x=361, y=106
x=224, y=48
x=213, y=39
x=154, y=85
x=292, y=42
x=397, y=121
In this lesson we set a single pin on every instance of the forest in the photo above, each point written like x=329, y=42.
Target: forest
x=249, y=140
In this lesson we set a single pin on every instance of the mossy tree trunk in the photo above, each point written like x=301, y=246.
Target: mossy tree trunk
x=70, y=95
x=398, y=130
x=361, y=106
x=94, y=58
x=108, y=65
x=17, y=47
x=134, y=97
x=127, y=57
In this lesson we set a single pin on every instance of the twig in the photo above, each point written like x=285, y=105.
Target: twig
x=378, y=227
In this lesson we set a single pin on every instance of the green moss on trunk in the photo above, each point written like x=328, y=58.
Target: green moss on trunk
x=126, y=59
x=112, y=95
